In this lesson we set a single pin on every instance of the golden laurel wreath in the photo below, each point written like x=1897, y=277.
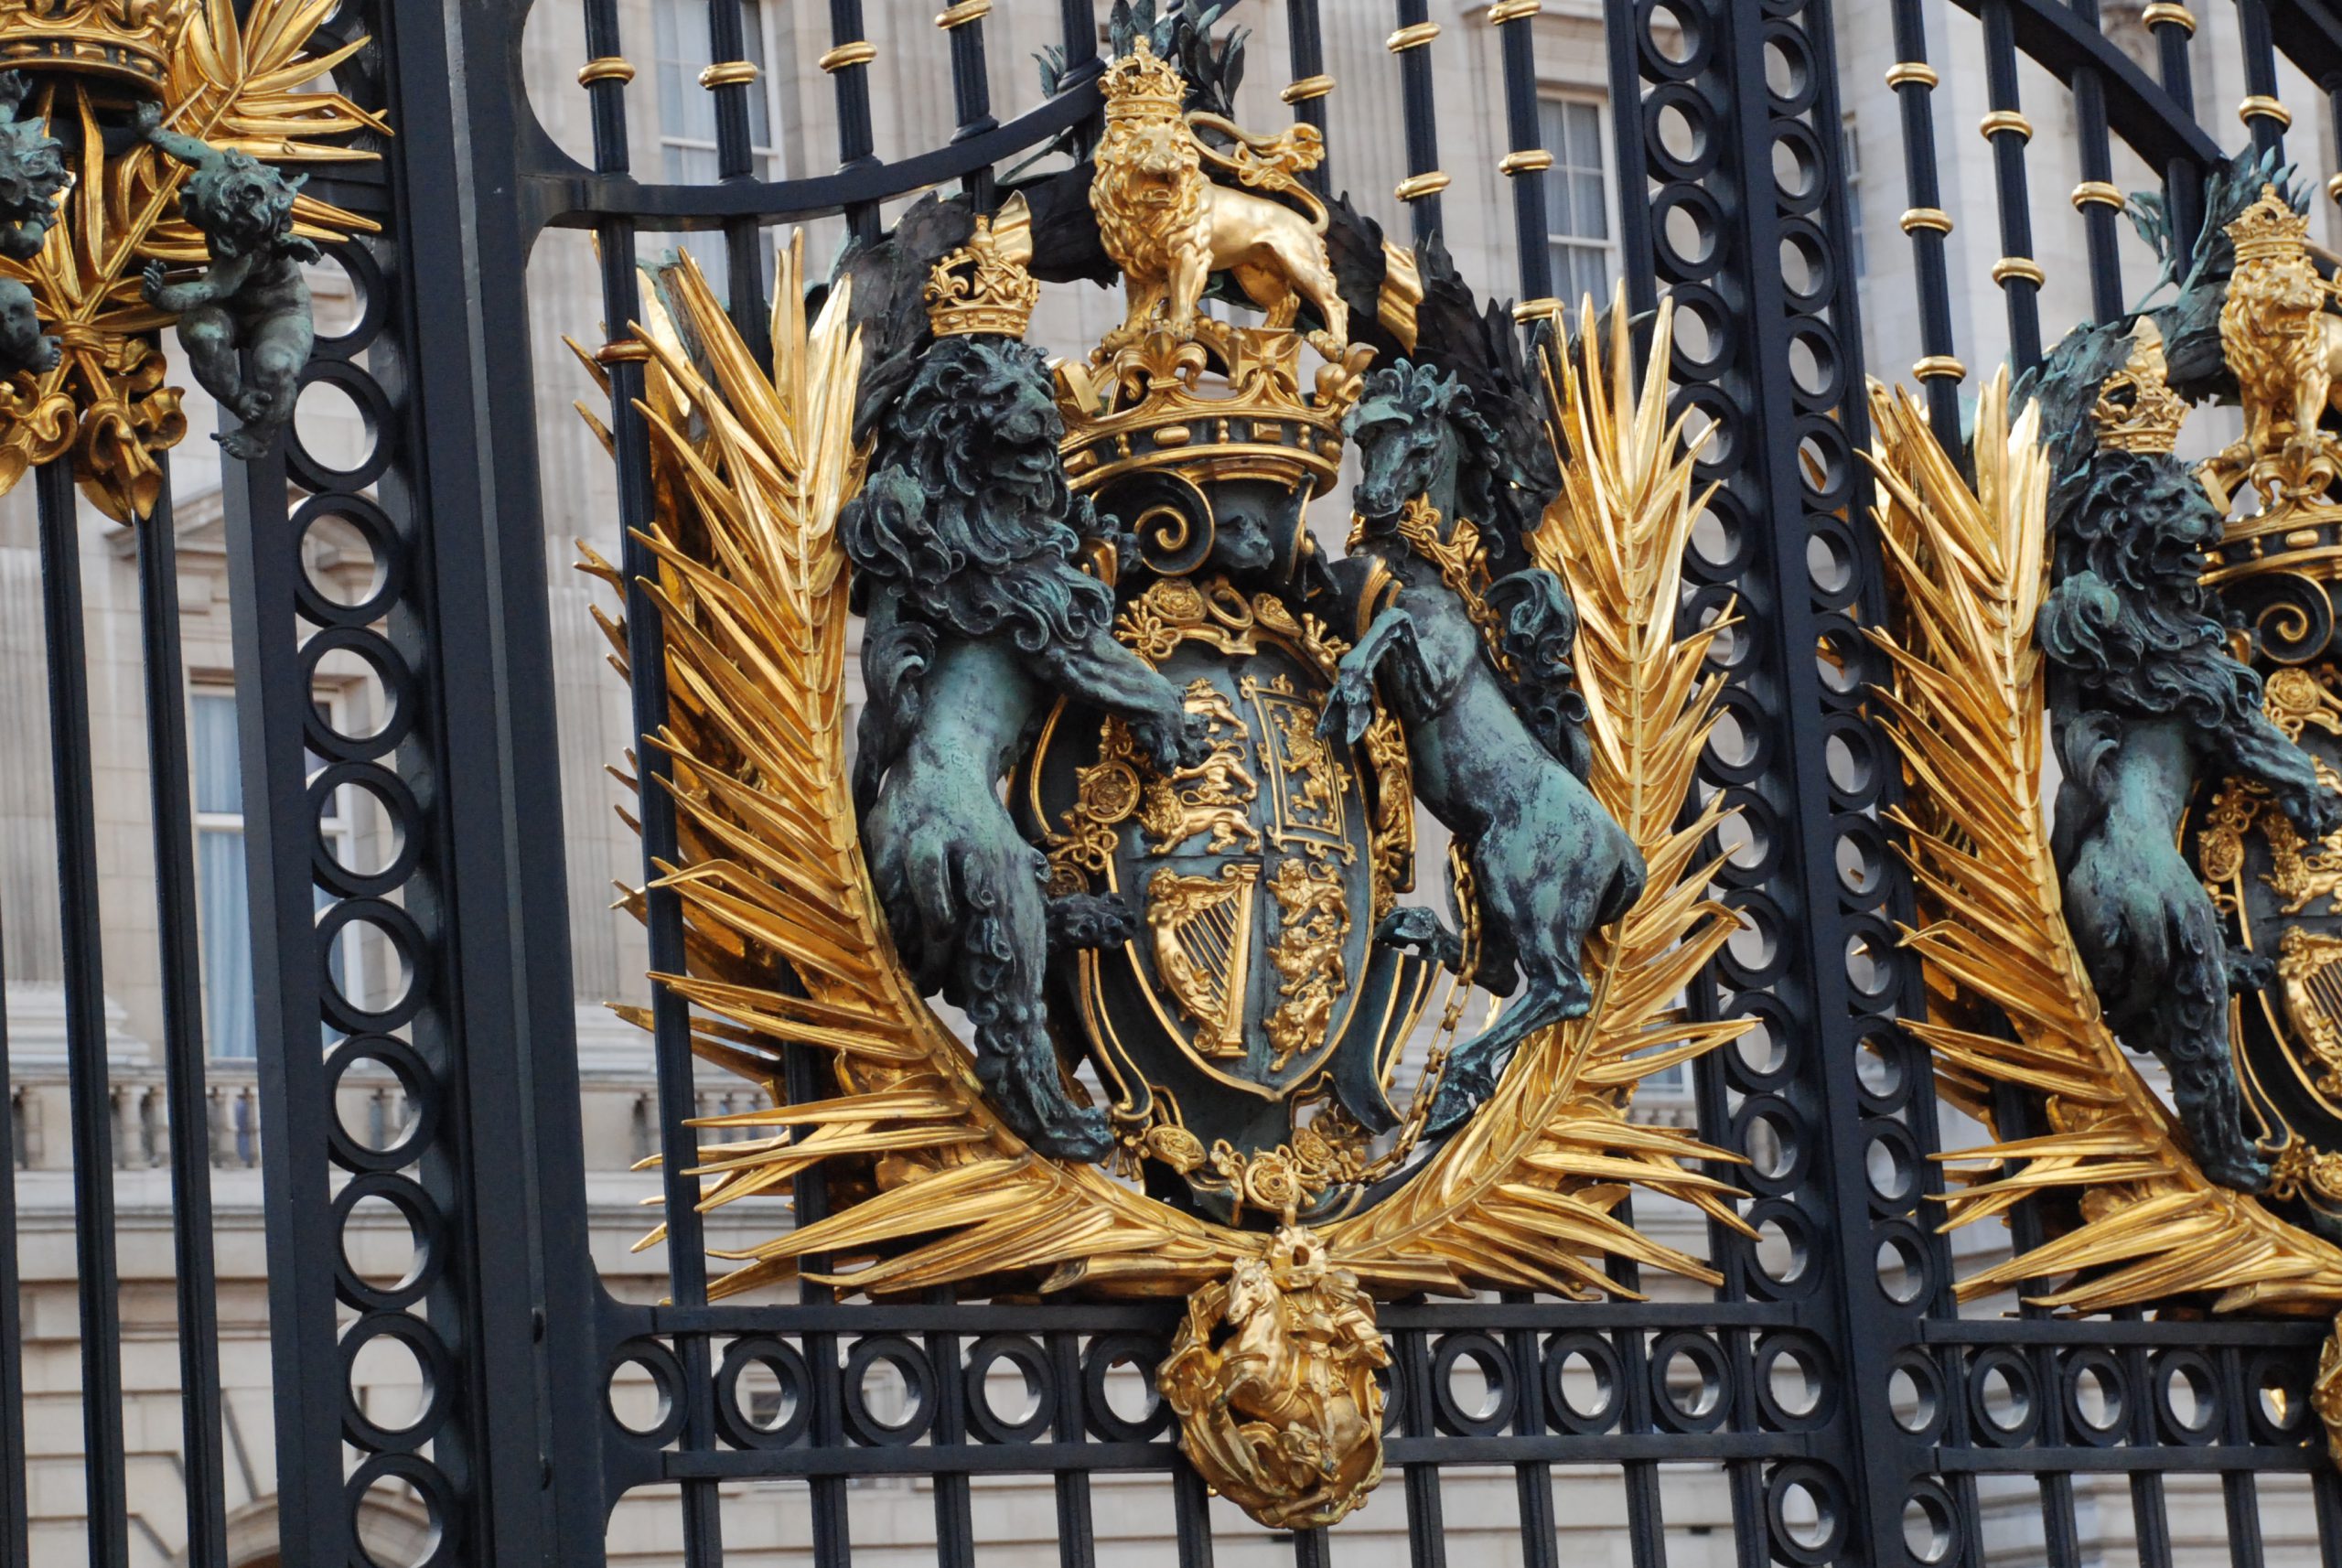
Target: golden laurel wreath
x=788, y=947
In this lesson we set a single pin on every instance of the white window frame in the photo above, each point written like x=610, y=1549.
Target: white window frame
x=337, y=829
x=1605, y=165
x=693, y=12
x=1850, y=173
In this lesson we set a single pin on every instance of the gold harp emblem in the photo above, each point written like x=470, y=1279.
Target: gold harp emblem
x=1202, y=931
x=2306, y=972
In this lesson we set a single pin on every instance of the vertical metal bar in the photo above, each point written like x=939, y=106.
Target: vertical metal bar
x=1636, y=259
x=272, y=702
x=1516, y=34
x=2183, y=178
x=809, y=1195
x=2258, y=43
x=2325, y=1497
x=181, y=973
x=1914, y=82
x=1078, y=20
x=85, y=1015
x=1077, y=1527
x=1305, y=36
x=1190, y=1516
x=2097, y=197
x=728, y=82
x=1533, y=1480
x=955, y=1530
x=971, y=87
x=1312, y=1550
x=1425, y=181
x=15, y=1546
x=848, y=65
x=1426, y=1519
x=2007, y=131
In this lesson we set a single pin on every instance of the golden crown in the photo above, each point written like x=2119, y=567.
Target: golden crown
x=2270, y=227
x=2136, y=409
x=121, y=41
x=1142, y=85
x=982, y=287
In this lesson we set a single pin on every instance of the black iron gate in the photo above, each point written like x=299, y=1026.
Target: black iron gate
x=1726, y=117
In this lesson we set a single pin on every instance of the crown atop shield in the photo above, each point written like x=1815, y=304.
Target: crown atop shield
x=983, y=286
x=2136, y=409
x=2270, y=228
x=121, y=41
x=1142, y=85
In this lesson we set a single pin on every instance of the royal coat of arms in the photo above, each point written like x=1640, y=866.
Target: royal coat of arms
x=1136, y=784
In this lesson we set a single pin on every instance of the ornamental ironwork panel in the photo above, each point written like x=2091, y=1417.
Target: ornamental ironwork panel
x=2005, y=1203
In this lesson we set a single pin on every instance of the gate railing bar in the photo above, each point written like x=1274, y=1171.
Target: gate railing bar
x=1526, y=158
x=955, y=1527
x=2150, y=1519
x=654, y=807
x=1426, y=1520
x=2173, y=28
x=273, y=703
x=1532, y=1482
x=1305, y=39
x=729, y=81
x=2261, y=112
x=1009, y=1317
x=85, y=1025
x=1420, y=191
x=180, y=966
x=2007, y=130
x=963, y=24
x=2054, y=35
x=16, y=1531
x=1077, y=1523
x=2100, y=199
x=1925, y=221
x=848, y=63
x=1191, y=1517
x=2239, y=1488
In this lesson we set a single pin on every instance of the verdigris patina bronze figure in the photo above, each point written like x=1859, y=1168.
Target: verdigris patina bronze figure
x=1110, y=588
x=1478, y=671
x=245, y=323
x=964, y=541
x=32, y=173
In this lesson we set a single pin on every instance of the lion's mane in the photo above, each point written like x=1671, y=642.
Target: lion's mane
x=2129, y=622
x=1142, y=239
x=968, y=516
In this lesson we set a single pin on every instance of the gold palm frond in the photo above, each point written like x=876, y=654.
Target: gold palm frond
x=1524, y=1195
x=1965, y=710
x=787, y=944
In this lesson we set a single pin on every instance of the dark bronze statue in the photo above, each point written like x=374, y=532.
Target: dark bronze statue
x=245, y=323
x=32, y=173
x=1478, y=671
x=963, y=543
x=2145, y=697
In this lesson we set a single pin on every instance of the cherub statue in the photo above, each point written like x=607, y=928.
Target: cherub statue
x=32, y=172
x=245, y=323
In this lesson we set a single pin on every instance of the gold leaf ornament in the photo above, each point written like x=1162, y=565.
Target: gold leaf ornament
x=1965, y=710
x=246, y=84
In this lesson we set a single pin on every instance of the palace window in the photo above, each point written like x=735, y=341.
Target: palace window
x=1577, y=198
x=223, y=916
x=687, y=110
x=1850, y=161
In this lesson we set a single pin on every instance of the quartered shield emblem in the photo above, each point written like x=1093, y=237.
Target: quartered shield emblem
x=1252, y=990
